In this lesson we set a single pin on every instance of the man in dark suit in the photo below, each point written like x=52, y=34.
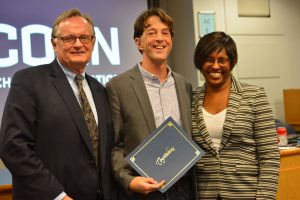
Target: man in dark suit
x=141, y=99
x=46, y=143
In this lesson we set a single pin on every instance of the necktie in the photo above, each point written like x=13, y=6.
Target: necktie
x=88, y=116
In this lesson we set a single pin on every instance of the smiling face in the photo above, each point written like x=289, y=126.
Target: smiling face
x=156, y=41
x=75, y=55
x=216, y=69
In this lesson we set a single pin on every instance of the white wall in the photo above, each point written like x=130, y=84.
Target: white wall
x=268, y=48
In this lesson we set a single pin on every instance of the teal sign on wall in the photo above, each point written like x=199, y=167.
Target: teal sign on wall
x=206, y=22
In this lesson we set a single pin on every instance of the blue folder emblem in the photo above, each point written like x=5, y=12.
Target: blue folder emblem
x=166, y=154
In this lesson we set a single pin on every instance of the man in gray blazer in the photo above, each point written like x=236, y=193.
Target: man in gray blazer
x=141, y=99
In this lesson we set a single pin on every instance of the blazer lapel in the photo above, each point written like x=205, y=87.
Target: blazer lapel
x=99, y=99
x=198, y=105
x=183, y=100
x=139, y=88
x=234, y=101
x=63, y=87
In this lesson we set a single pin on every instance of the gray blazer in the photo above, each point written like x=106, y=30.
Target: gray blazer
x=247, y=164
x=134, y=119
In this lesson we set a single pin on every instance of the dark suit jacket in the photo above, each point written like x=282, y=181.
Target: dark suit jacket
x=134, y=119
x=44, y=139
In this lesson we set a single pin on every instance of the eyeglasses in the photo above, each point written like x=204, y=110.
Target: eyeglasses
x=71, y=39
x=221, y=61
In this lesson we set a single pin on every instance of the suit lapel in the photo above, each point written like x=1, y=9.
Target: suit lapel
x=99, y=100
x=182, y=102
x=198, y=105
x=63, y=87
x=234, y=101
x=139, y=88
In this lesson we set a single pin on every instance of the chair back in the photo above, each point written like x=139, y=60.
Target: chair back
x=6, y=192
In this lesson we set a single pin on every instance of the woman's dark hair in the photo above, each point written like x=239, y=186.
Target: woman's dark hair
x=215, y=41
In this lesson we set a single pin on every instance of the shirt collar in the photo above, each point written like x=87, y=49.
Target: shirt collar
x=70, y=75
x=152, y=77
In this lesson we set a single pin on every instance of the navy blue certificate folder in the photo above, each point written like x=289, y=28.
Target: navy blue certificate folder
x=166, y=154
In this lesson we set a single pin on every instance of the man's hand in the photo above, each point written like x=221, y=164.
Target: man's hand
x=67, y=198
x=145, y=185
